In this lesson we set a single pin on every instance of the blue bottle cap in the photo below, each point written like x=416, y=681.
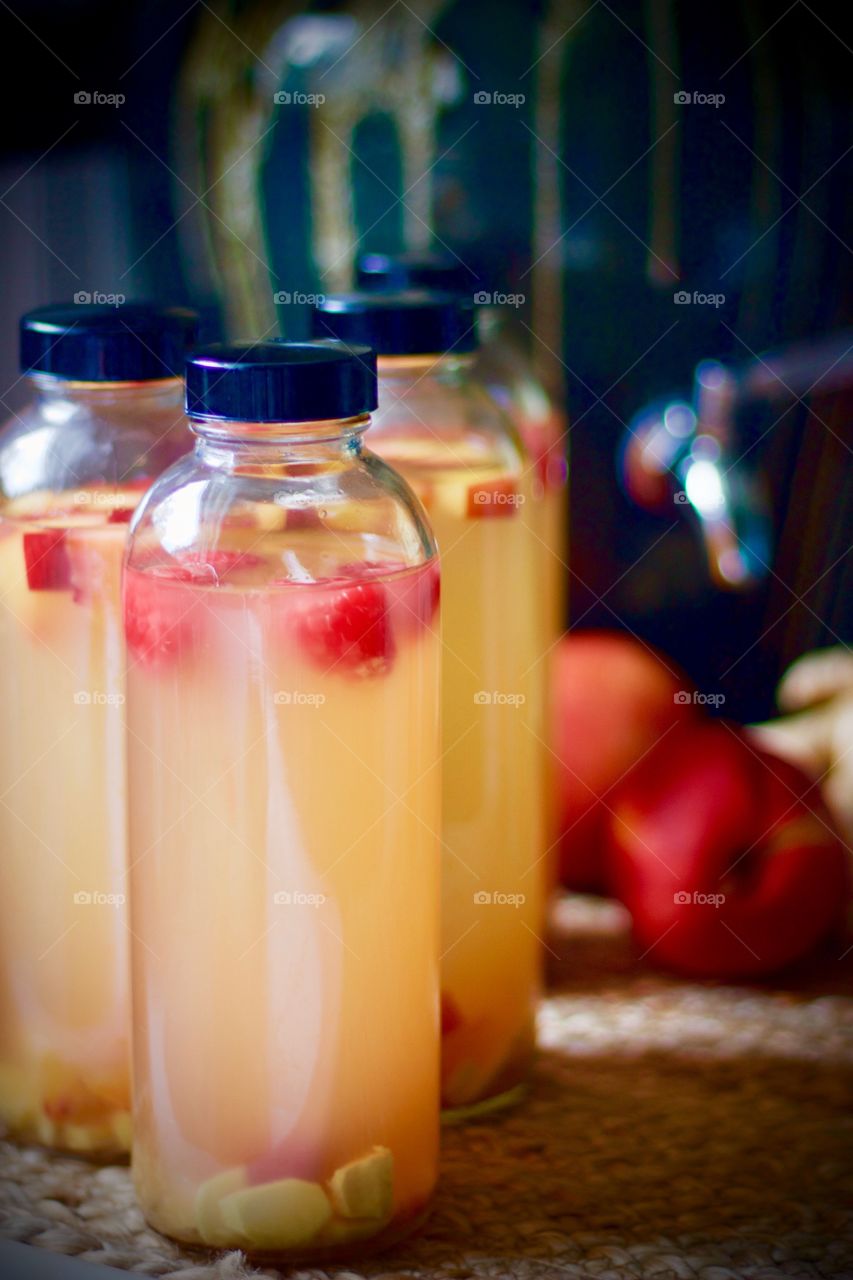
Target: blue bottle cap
x=281, y=381
x=408, y=323
x=131, y=342
x=419, y=269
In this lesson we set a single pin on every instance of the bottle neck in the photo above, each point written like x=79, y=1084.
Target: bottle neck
x=152, y=395
x=229, y=444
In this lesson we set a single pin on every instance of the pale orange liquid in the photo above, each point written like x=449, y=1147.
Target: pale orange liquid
x=543, y=439
x=64, y=1006
x=284, y=863
x=480, y=506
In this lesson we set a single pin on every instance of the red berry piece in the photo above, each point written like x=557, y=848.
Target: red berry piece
x=413, y=593
x=157, y=615
x=121, y=515
x=46, y=559
x=346, y=628
x=415, y=596
x=451, y=1018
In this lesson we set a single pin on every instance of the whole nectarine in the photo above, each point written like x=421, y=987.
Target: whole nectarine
x=612, y=698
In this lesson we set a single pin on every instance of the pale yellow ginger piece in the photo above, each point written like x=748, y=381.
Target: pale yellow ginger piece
x=17, y=1096
x=208, y=1205
x=86, y=1137
x=269, y=517
x=122, y=1127
x=364, y=1188
x=346, y=1230
x=46, y=1131
x=277, y=1215
x=452, y=499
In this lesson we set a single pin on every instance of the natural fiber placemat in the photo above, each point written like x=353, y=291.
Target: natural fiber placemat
x=673, y=1130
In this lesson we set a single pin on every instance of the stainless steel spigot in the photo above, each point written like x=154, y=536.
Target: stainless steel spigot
x=687, y=452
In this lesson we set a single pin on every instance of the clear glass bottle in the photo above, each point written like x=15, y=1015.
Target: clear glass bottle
x=462, y=458
x=281, y=616
x=505, y=369
x=106, y=415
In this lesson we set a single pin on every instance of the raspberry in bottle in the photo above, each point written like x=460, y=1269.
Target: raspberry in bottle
x=463, y=459
x=104, y=417
x=281, y=614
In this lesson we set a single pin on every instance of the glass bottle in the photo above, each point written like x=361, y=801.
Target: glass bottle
x=106, y=415
x=506, y=371
x=281, y=615
x=462, y=458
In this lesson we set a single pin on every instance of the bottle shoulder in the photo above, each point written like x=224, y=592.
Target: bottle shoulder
x=299, y=519
x=61, y=444
x=440, y=424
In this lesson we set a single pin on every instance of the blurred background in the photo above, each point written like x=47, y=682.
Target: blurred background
x=655, y=184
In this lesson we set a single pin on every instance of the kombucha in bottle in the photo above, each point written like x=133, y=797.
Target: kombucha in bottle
x=460, y=455
x=503, y=367
x=281, y=616
x=105, y=417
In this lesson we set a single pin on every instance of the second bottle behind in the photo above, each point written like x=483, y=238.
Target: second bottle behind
x=464, y=461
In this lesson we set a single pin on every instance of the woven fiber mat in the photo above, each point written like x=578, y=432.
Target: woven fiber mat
x=673, y=1130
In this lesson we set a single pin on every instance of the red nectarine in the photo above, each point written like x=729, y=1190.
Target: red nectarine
x=612, y=699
